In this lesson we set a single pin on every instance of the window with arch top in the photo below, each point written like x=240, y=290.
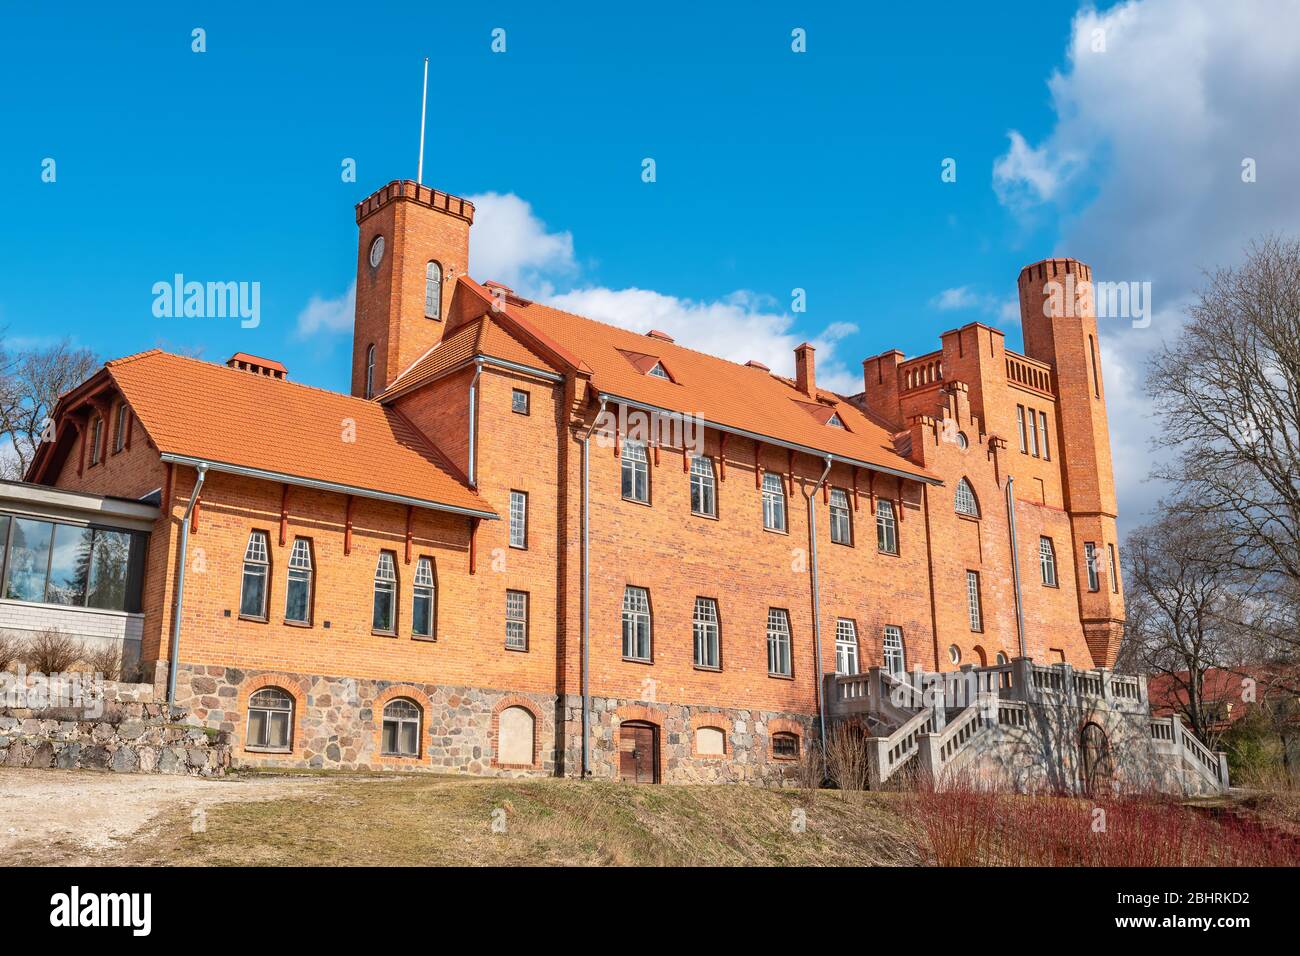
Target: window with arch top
x=270, y=720
x=370, y=371
x=965, y=500
x=433, y=291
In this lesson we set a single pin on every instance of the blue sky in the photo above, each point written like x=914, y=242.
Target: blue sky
x=775, y=170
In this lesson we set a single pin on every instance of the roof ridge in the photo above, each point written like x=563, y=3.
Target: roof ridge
x=135, y=356
x=279, y=382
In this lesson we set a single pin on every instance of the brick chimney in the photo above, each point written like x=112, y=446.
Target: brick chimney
x=257, y=365
x=805, y=373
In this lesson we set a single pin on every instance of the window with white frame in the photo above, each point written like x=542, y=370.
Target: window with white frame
x=841, y=517
x=773, y=502
x=517, y=620
x=519, y=401
x=1047, y=560
x=433, y=291
x=704, y=498
x=707, y=633
x=1090, y=560
x=297, y=591
x=119, y=434
x=954, y=654
x=965, y=500
x=252, y=595
x=1114, y=569
x=383, y=618
x=1042, y=429
x=886, y=527
x=636, y=472
x=658, y=371
x=895, y=657
x=401, y=731
x=518, y=519
x=973, y=601
x=1020, y=429
x=270, y=720
x=778, y=642
x=846, y=646
x=636, y=624
x=1033, y=432
x=424, y=604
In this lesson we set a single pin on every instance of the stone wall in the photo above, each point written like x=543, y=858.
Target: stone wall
x=127, y=734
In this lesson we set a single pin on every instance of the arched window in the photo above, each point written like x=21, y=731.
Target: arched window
x=370, y=371
x=636, y=472
x=704, y=499
x=425, y=602
x=433, y=291
x=252, y=595
x=785, y=746
x=710, y=742
x=886, y=527
x=773, y=502
x=297, y=593
x=401, y=736
x=846, y=646
x=384, y=618
x=270, y=720
x=1001, y=659
x=965, y=499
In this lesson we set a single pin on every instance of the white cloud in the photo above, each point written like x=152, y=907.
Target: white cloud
x=739, y=327
x=328, y=316
x=964, y=298
x=959, y=298
x=1143, y=168
x=512, y=246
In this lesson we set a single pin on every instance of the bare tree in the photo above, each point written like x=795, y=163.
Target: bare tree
x=31, y=382
x=1227, y=393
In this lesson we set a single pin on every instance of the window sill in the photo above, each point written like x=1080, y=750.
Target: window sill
x=268, y=750
x=517, y=650
x=710, y=670
x=518, y=547
x=252, y=620
x=303, y=624
x=701, y=514
x=965, y=517
x=888, y=554
x=375, y=633
x=425, y=638
x=780, y=676
x=636, y=501
x=638, y=660
x=776, y=530
x=842, y=544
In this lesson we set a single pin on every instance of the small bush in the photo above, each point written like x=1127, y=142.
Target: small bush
x=51, y=651
x=106, y=660
x=847, y=756
x=11, y=651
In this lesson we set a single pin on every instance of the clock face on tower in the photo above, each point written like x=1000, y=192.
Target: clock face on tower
x=376, y=251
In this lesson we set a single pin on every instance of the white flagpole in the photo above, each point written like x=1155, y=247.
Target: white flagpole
x=424, y=102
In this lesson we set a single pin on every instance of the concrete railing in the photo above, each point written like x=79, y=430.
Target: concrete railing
x=1171, y=737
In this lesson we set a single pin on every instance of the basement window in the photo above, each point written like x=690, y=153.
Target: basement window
x=785, y=746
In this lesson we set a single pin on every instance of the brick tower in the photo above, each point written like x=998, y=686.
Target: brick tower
x=413, y=245
x=1060, y=328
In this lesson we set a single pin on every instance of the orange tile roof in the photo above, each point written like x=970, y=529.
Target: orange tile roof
x=719, y=391
x=222, y=415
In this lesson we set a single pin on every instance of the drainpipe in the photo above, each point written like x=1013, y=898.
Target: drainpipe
x=202, y=469
x=473, y=420
x=1015, y=563
x=586, y=589
x=816, y=597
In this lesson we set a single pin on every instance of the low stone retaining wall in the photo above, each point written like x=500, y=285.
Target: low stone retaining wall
x=130, y=735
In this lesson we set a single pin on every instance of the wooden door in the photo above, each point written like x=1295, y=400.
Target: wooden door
x=638, y=752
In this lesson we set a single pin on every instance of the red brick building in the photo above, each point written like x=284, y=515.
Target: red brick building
x=518, y=509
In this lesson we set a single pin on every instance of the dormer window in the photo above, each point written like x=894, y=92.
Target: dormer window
x=658, y=371
x=834, y=421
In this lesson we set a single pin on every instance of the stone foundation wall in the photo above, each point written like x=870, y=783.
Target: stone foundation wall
x=338, y=721
x=127, y=734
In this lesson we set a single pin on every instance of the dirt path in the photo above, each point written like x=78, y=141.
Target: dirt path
x=50, y=816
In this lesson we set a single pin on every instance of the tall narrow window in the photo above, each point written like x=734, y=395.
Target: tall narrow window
x=96, y=434
x=778, y=642
x=1047, y=561
x=707, y=633
x=773, y=502
x=965, y=500
x=1033, y=432
x=1090, y=559
x=119, y=432
x=424, y=606
x=252, y=597
x=1020, y=428
x=704, y=499
x=433, y=291
x=1042, y=428
x=636, y=624
x=1096, y=380
x=270, y=720
x=517, y=620
x=297, y=593
x=895, y=657
x=846, y=646
x=370, y=372
x=518, y=519
x=383, y=619
x=841, y=517
x=886, y=527
x=973, y=601
x=636, y=472
x=1114, y=569
x=401, y=731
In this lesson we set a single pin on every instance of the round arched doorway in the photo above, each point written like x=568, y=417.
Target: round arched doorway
x=1097, y=764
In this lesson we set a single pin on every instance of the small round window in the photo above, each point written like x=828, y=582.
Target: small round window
x=954, y=654
x=962, y=441
x=376, y=251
